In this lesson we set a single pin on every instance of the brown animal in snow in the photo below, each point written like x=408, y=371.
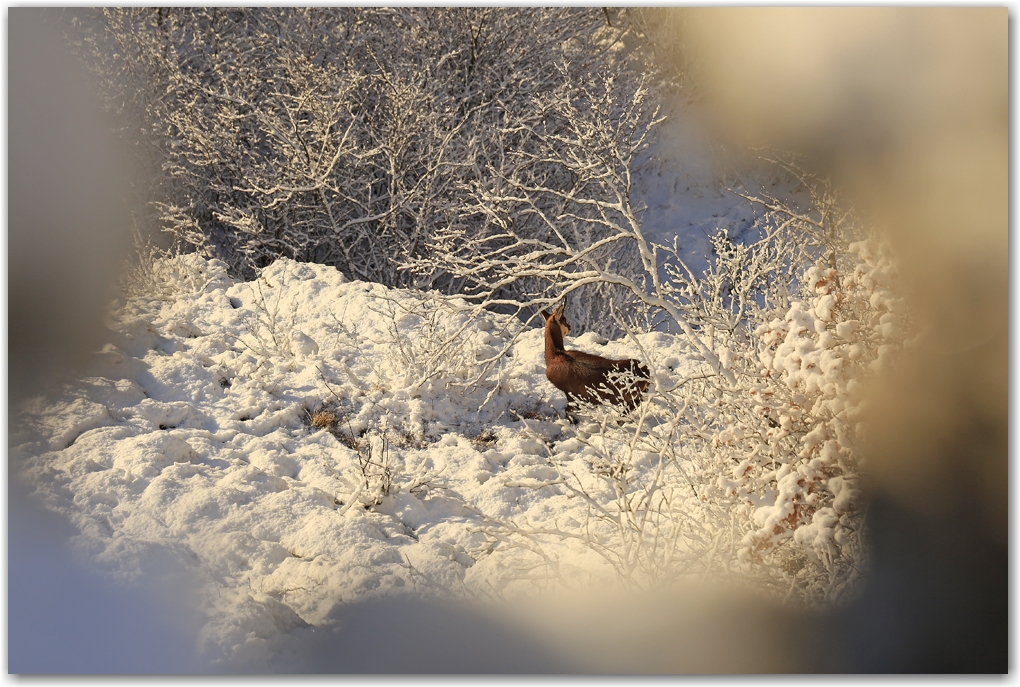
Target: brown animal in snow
x=586, y=377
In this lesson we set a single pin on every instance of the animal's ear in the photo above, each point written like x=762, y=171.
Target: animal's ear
x=559, y=311
x=546, y=315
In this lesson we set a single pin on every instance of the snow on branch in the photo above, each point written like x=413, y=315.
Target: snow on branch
x=343, y=136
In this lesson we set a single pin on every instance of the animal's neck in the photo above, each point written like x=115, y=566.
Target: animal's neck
x=553, y=340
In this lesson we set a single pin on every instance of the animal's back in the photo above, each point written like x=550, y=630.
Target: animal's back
x=597, y=362
x=585, y=376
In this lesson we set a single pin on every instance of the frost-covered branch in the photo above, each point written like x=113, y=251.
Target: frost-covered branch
x=344, y=136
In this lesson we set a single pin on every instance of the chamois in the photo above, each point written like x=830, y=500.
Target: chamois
x=586, y=377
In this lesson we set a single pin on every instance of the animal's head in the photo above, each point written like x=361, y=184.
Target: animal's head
x=557, y=318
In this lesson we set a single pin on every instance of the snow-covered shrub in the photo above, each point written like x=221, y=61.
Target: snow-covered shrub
x=163, y=275
x=553, y=213
x=269, y=328
x=799, y=319
x=377, y=473
x=363, y=137
x=624, y=476
x=783, y=440
x=141, y=275
x=432, y=339
x=744, y=460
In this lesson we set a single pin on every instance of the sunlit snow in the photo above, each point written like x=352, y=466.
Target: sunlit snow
x=193, y=437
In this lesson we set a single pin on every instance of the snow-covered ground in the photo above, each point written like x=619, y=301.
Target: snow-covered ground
x=298, y=443
x=193, y=440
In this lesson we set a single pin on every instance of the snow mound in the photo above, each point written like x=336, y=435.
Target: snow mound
x=302, y=442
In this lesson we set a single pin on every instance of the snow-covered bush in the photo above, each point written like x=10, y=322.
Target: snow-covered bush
x=431, y=339
x=778, y=449
x=624, y=476
x=162, y=274
x=269, y=329
x=553, y=213
x=361, y=137
x=745, y=462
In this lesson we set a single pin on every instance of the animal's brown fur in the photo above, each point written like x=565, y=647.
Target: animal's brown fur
x=585, y=377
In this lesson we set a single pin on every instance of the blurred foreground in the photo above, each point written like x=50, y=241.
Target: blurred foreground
x=907, y=109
